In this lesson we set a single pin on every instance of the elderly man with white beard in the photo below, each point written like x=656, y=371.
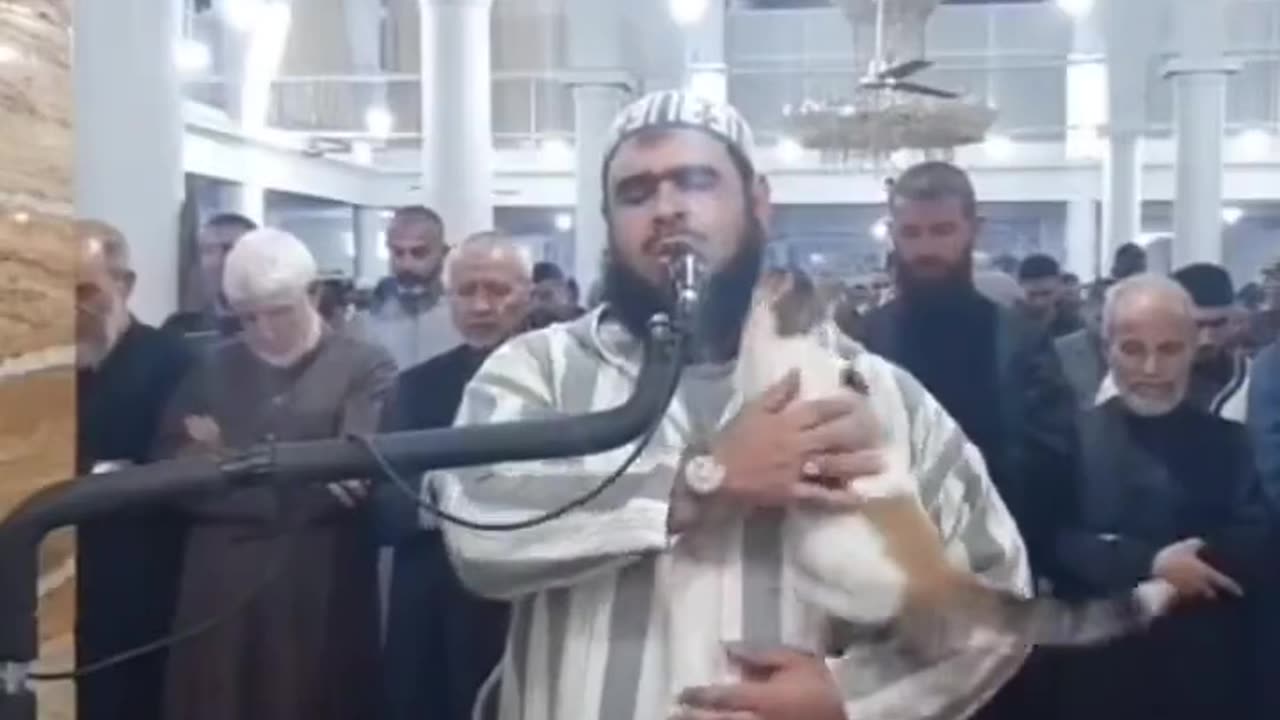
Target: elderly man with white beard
x=1167, y=490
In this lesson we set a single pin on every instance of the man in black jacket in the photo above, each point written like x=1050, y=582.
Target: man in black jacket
x=992, y=369
x=1167, y=490
x=206, y=318
x=441, y=641
x=127, y=565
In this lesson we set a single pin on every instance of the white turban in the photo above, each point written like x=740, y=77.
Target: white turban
x=265, y=265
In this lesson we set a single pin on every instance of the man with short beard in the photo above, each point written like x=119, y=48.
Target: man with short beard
x=1220, y=374
x=126, y=565
x=592, y=588
x=407, y=314
x=993, y=370
x=1167, y=490
x=1045, y=288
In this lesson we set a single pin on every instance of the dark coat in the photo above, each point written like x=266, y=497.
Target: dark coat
x=1144, y=484
x=1264, y=419
x=127, y=565
x=442, y=641
x=290, y=571
x=997, y=374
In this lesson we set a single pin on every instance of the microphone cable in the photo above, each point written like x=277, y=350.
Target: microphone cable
x=405, y=487
x=242, y=603
x=277, y=565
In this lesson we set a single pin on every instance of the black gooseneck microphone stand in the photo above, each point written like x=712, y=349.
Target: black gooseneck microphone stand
x=85, y=498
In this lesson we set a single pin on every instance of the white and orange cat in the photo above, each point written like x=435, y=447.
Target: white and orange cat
x=882, y=565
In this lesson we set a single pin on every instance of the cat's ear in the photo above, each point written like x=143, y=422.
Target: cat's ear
x=798, y=308
x=774, y=283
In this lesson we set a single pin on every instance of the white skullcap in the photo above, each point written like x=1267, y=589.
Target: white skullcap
x=267, y=264
x=678, y=109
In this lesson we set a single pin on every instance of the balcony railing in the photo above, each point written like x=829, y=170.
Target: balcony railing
x=529, y=107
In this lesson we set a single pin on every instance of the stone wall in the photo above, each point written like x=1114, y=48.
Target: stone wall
x=37, y=377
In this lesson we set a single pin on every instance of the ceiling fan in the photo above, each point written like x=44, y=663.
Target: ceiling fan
x=881, y=75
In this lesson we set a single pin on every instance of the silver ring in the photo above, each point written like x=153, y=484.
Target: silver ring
x=811, y=469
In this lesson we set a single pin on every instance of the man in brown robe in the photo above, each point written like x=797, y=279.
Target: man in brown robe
x=305, y=647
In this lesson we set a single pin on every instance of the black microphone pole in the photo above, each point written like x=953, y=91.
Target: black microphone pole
x=89, y=497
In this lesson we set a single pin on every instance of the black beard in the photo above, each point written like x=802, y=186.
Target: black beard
x=918, y=290
x=717, y=327
x=412, y=284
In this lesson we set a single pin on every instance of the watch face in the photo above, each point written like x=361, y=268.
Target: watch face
x=704, y=475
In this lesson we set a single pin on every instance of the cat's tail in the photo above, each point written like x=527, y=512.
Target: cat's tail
x=1050, y=621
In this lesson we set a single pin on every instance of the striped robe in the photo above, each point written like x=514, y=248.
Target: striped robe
x=591, y=593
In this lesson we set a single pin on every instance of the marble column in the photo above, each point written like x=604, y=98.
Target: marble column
x=1199, y=75
x=457, y=114
x=37, y=266
x=128, y=151
x=599, y=92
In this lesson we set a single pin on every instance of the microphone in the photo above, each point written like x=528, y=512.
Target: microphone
x=689, y=278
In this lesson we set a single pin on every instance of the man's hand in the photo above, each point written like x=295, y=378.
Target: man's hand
x=204, y=432
x=350, y=492
x=1180, y=565
x=779, y=684
x=777, y=452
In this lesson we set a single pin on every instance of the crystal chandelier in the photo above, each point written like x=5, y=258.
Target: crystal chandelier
x=883, y=125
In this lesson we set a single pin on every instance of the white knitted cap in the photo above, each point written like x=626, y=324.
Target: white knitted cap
x=676, y=108
x=265, y=265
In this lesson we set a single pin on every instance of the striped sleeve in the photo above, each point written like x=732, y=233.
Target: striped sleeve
x=978, y=532
x=628, y=521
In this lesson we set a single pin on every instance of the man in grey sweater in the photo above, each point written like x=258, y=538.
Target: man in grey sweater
x=407, y=315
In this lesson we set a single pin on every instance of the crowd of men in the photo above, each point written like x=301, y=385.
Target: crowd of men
x=1128, y=428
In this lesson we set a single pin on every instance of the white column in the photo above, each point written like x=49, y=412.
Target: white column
x=594, y=109
x=1121, y=192
x=1082, y=239
x=364, y=35
x=1128, y=29
x=128, y=136
x=457, y=114
x=599, y=92
x=369, y=265
x=706, y=70
x=1199, y=75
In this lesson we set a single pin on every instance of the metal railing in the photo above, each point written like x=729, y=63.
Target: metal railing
x=531, y=107
x=524, y=104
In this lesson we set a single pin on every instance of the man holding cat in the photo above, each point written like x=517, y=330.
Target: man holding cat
x=591, y=589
